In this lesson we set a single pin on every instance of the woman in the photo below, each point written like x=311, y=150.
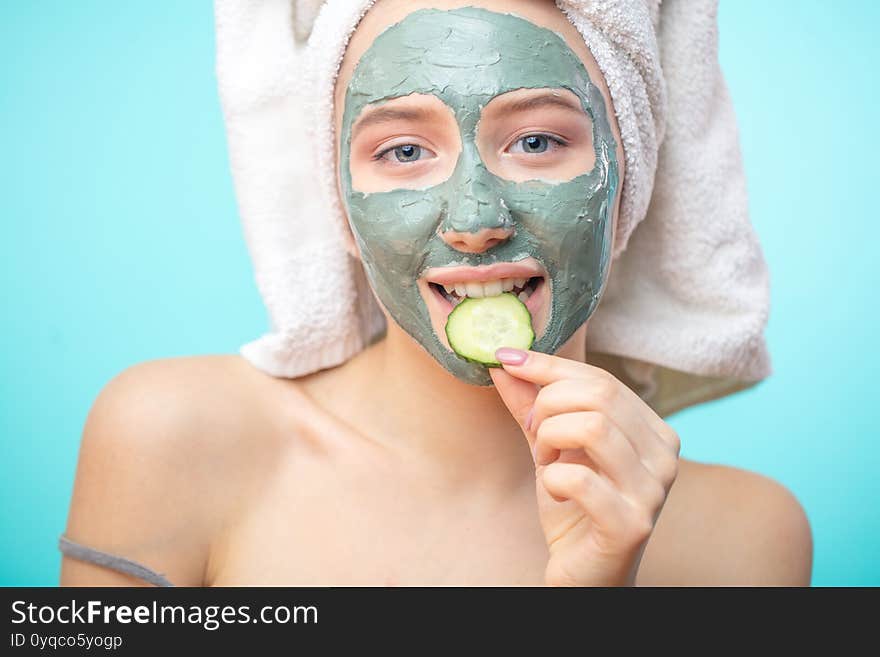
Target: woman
x=492, y=161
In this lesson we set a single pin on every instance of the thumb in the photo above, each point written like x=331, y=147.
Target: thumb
x=519, y=397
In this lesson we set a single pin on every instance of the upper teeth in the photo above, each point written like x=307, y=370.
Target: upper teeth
x=485, y=288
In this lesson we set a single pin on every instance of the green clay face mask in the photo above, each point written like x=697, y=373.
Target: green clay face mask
x=466, y=57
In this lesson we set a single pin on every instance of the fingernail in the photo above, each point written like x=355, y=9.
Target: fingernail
x=528, y=420
x=511, y=356
x=535, y=453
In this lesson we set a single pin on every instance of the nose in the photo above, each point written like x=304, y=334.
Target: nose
x=482, y=240
x=476, y=216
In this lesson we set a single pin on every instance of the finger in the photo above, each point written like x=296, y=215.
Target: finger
x=544, y=369
x=604, y=443
x=573, y=395
x=595, y=495
x=541, y=368
x=519, y=397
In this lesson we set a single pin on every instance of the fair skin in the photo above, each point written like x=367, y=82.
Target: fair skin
x=214, y=473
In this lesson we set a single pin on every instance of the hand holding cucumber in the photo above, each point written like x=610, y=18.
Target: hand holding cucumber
x=604, y=464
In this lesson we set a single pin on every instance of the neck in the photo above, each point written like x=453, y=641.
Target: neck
x=406, y=401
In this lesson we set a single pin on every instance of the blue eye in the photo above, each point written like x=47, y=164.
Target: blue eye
x=402, y=153
x=407, y=153
x=535, y=144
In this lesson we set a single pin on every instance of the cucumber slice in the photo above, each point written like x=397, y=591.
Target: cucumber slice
x=477, y=327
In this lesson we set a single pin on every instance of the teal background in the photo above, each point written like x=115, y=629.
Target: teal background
x=121, y=243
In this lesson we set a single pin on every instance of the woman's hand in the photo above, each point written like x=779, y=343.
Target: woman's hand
x=604, y=464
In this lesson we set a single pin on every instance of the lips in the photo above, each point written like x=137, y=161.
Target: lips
x=527, y=268
x=534, y=296
x=444, y=287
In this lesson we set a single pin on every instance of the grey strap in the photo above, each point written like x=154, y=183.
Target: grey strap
x=123, y=565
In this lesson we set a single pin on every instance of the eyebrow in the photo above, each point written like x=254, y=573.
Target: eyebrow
x=388, y=114
x=548, y=99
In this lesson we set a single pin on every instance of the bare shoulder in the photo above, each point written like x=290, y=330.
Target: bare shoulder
x=165, y=447
x=725, y=526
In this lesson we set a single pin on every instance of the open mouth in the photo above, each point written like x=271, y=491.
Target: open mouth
x=455, y=293
x=532, y=291
x=443, y=288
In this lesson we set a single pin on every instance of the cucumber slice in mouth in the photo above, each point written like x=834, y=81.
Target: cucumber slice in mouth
x=476, y=327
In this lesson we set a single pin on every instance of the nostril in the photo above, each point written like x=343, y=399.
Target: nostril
x=475, y=242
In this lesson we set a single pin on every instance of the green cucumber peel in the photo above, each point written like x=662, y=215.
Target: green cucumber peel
x=477, y=327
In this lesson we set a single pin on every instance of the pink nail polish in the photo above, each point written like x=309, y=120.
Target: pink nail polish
x=511, y=356
x=528, y=420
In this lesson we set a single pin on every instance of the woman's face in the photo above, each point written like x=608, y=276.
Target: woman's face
x=476, y=149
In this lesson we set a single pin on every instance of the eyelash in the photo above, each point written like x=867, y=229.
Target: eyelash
x=559, y=141
x=381, y=155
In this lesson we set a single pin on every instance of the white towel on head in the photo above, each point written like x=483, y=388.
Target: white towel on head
x=686, y=304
